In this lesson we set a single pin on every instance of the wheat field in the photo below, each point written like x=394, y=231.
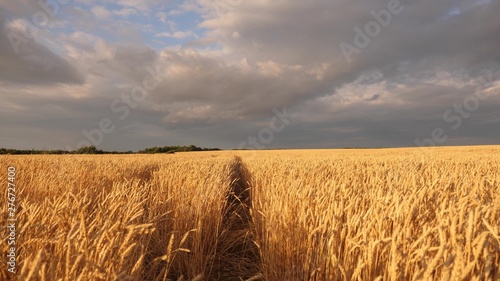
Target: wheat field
x=378, y=214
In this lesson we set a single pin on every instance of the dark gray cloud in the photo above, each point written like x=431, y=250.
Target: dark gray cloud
x=422, y=34
x=24, y=60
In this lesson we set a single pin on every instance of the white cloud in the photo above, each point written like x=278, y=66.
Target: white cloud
x=176, y=34
x=270, y=68
x=140, y=5
x=101, y=12
x=162, y=17
x=125, y=12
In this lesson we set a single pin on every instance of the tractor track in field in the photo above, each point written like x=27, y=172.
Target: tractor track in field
x=238, y=254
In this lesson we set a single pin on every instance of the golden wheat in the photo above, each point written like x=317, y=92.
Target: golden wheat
x=386, y=214
x=392, y=214
x=109, y=218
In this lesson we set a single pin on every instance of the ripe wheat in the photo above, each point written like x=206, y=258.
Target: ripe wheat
x=386, y=214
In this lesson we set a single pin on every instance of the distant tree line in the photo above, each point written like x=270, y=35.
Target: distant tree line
x=173, y=149
x=93, y=150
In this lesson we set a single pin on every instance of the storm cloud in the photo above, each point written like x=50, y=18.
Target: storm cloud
x=422, y=65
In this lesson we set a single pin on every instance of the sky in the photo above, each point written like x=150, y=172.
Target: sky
x=130, y=74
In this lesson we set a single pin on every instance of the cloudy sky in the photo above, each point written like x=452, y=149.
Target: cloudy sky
x=130, y=74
